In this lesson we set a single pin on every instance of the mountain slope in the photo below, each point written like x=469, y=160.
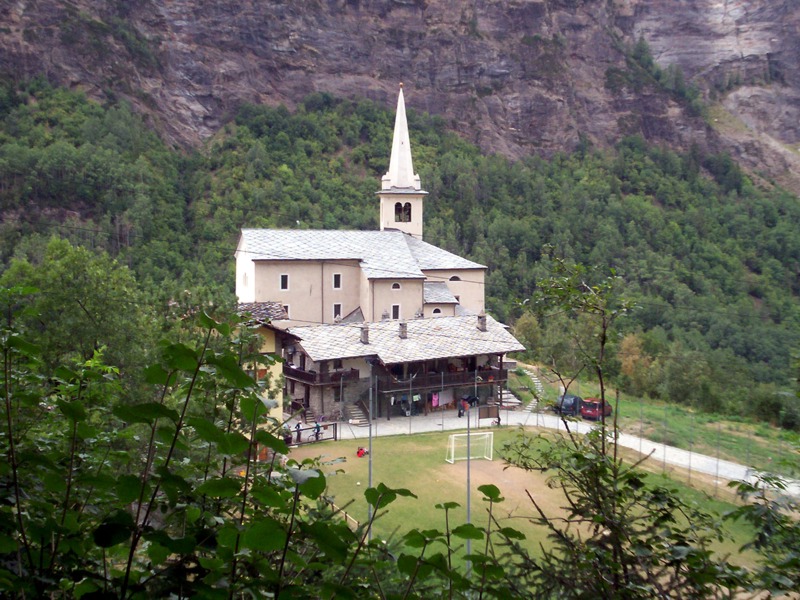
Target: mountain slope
x=515, y=76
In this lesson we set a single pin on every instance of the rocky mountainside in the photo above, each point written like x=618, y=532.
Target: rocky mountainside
x=514, y=76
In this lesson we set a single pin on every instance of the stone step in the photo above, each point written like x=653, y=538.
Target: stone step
x=356, y=416
x=309, y=416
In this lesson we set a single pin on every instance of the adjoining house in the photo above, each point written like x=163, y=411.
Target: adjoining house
x=414, y=367
x=376, y=306
x=272, y=342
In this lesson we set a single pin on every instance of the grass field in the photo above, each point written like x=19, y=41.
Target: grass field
x=418, y=463
x=757, y=445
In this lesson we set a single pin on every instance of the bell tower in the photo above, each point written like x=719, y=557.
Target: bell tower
x=401, y=194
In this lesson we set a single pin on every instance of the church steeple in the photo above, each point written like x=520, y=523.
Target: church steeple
x=401, y=167
x=401, y=193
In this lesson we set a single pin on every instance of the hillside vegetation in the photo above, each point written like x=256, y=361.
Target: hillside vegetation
x=711, y=262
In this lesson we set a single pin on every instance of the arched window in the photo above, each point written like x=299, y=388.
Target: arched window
x=398, y=212
x=455, y=278
x=437, y=311
x=395, y=286
x=407, y=212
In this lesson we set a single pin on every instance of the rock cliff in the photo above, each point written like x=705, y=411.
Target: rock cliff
x=514, y=76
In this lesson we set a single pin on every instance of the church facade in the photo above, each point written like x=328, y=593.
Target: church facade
x=384, y=302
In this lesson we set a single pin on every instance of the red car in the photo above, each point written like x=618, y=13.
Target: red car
x=590, y=409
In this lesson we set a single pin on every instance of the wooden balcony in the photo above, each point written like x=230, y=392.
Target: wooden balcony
x=442, y=380
x=314, y=378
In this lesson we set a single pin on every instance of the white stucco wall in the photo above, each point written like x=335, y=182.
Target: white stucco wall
x=469, y=289
x=387, y=217
x=408, y=297
x=447, y=310
x=245, y=274
x=310, y=295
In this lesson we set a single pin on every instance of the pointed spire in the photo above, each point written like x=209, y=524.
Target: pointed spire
x=401, y=169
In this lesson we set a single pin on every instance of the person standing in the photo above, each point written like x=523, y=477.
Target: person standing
x=297, y=429
x=317, y=430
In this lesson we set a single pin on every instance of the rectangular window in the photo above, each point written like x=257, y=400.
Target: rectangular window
x=395, y=311
x=284, y=282
x=337, y=363
x=337, y=311
x=286, y=309
x=337, y=281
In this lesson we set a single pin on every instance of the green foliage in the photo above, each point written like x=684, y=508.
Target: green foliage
x=642, y=71
x=81, y=302
x=777, y=531
x=165, y=497
x=710, y=261
x=623, y=537
x=162, y=495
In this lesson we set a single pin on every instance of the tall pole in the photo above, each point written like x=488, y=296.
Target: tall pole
x=441, y=395
x=691, y=443
x=410, y=402
x=666, y=429
x=369, y=455
x=469, y=493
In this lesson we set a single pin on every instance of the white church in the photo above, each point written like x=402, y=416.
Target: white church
x=382, y=302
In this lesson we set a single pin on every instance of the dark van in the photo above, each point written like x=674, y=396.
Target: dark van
x=569, y=405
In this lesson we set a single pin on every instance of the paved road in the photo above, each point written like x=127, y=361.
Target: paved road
x=723, y=470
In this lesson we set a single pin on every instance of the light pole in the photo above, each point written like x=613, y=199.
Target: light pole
x=469, y=491
x=369, y=454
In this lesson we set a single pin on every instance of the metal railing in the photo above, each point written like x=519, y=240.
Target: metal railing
x=314, y=378
x=438, y=380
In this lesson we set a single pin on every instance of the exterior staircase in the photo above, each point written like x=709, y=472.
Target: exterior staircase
x=309, y=416
x=538, y=392
x=354, y=415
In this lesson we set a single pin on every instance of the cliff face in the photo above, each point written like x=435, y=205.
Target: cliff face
x=515, y=76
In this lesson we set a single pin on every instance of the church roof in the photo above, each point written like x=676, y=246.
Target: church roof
x=427, y=339
x=430, y=257
x=437, y=292
x=384, y=254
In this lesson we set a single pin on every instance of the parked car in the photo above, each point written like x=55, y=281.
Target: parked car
x=568, y=405
x=591, y=409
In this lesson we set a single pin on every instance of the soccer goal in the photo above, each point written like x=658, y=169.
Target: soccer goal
x=481, y=446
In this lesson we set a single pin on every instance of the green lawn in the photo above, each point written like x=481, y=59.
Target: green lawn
x=756, y=445
x=417, y=463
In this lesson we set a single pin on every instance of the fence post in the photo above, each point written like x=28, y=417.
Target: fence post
x=664, y=441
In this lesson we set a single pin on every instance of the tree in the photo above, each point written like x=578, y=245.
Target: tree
x=81, y=302
x=622, y=537
x=166, y=497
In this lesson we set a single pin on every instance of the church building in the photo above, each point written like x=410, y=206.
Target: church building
x=383, y=303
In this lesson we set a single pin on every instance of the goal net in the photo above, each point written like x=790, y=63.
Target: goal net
x=481, y=446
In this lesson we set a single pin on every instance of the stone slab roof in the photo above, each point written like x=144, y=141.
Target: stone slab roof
x=427, y=339
x=387, y=254
x=262, y=312
x=430, y=257
x=437, y=292
x=357, y=316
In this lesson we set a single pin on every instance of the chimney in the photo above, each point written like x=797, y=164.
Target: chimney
x=365, y=333
x=403, y=330
x=482, y=322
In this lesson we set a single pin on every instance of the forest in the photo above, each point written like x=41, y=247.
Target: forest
x=132, y=427
x=708, y=258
